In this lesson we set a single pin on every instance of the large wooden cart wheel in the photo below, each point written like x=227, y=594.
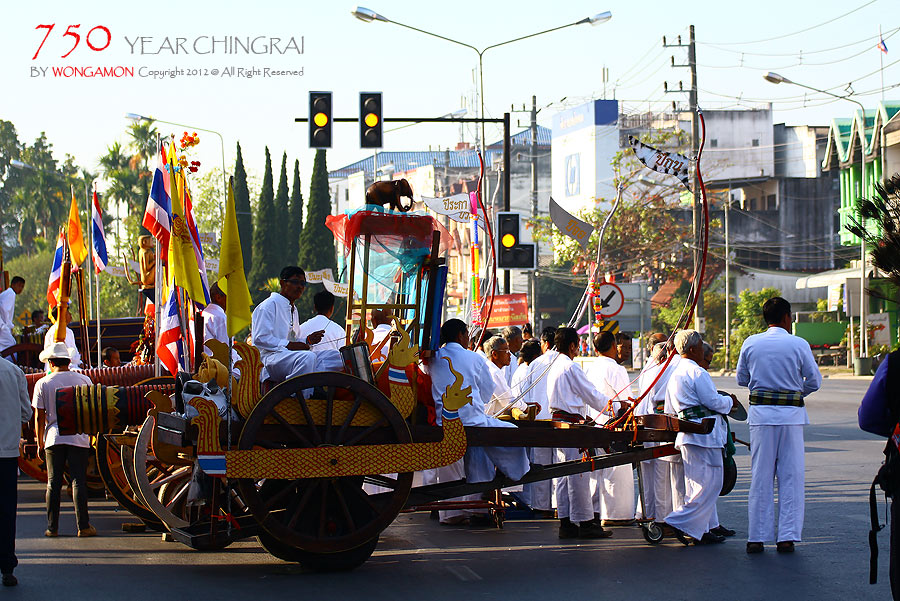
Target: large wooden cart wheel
x=323, y=523
x=109, y=465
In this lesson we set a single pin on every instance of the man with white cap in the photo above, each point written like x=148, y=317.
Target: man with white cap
x=62, y=452
x=694, y=397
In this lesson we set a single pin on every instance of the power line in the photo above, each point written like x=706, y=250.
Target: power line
x=867, y=39
x=787, y=35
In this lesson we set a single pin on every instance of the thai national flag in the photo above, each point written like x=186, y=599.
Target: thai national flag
x=56, y=272
x=882, y=46
x=158, y=216
x=171, y=344
x=98, y=254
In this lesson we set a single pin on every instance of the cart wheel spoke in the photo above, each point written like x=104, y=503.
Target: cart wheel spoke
x=329, y=411
x=364, y=496
x=357, y=403
x=322, y=511
x=317, y=438
x=351, y=525
x=290, y=428
x=381, y=422
x=298, y=511
x=276, y=500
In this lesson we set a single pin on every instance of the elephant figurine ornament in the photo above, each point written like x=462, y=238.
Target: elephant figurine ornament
x=389, y=193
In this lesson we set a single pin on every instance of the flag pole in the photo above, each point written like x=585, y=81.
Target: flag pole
x=157, y=292
x=90, y=255
x=97, y=281
x=881, y=60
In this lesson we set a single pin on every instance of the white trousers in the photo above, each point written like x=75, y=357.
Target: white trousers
x=676, y=481
x=286, y=364
x=329, y=360
x=450, y=473
x=657, y=490
x=573, y=493
x=776, y=452
x=540, y=494
x=703, y=482
x=613, y=492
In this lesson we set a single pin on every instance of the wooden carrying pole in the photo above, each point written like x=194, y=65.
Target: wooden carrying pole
x=82, y=310
x=65, y=293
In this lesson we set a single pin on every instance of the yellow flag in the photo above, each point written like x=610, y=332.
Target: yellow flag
x=77, y=247
x=183, y=269
x=232, y=279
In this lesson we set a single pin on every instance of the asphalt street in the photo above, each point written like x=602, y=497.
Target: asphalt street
x=418, y=559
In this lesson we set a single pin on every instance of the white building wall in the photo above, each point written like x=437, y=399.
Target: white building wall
x=739, y=144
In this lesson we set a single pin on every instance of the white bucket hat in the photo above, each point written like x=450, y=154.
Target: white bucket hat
x=59, y=350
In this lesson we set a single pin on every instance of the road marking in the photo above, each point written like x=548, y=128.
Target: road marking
x=464, y=573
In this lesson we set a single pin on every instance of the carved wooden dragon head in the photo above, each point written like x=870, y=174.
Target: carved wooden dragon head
x=404, y=351
x=455, y=397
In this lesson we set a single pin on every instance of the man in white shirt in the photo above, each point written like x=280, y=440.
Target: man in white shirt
x=780, y=371
x=613, y=488
x=8, y=311
x=332, y=334
x=655, y=472
x=571, y=393
x=63, y=453
x=215, y=323
x=15, y=410
x=513, y=337
x=383, y=323
x=541, y=493
x=50, y=339
x=275, y=330
x=497, y=351
x=480, y=463
x=693, y=397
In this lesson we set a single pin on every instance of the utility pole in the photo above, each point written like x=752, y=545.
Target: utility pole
x=695, y=148
x=532, y=278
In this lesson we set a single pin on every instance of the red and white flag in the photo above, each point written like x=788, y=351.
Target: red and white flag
x=56, y=271
x=158, y=215
x=171, y=344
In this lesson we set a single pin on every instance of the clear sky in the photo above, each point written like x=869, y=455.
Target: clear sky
x=420, y=75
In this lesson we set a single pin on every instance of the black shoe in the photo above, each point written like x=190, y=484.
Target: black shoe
x=785, y=546
x=682, y=536
x=592, y=530
x=723, y=531
x=10, y=580
x=567, y=529
x=755, y=548
x=711, y=539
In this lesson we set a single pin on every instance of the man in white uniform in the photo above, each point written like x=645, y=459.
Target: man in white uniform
x=50, y=339
x=215, y=323
x=276, y=330
x=613, y=487
x=497, y=351
x=480, y=463
x=693, y=396
x=780, y=371
x=541, y=493
x=327, y=350
x=8, y=311
x=571, y=393
x=383, y=324
x=513, y=337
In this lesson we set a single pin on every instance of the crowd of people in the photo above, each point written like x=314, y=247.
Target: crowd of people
x=513, y=373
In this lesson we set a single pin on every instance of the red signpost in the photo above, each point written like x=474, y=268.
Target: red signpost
x=509, y=310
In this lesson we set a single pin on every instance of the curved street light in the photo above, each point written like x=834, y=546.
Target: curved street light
x=864, y=339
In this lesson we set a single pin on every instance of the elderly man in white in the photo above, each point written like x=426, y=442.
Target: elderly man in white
x=780, y=371
x=694, y=397
x=497, y=351
x=571, y=393
x=276, y=330
x=613, y=487
x=480, y=463
x=8, y=311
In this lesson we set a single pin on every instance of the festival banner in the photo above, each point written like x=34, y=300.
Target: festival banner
x=508, y=310
x=570, y=225
x=317, y=277
x=336, y=288
x=670, y=163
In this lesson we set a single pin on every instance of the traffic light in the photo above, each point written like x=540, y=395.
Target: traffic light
x=370, y=120
x=511, y=253
x=320, y=119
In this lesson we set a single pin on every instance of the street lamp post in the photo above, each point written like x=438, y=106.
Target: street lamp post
x=863, y=338
x=367, y=16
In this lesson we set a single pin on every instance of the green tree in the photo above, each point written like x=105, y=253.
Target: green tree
x=748, y=319
x=282, y=205
x=316, y=240
x=295, y=217
x=267, y=260
x=242, y=208
x=144, y=145
x=124, y=187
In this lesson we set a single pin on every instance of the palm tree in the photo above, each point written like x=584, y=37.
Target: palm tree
x=145, y=144
x=124, y=182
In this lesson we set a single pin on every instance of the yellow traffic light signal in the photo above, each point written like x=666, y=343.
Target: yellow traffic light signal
x=370, y=120
x=320, y=117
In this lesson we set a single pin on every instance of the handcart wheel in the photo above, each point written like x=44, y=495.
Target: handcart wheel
x=341, y=561
x=109, y=465
x=653, y=532
x=328, y=523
